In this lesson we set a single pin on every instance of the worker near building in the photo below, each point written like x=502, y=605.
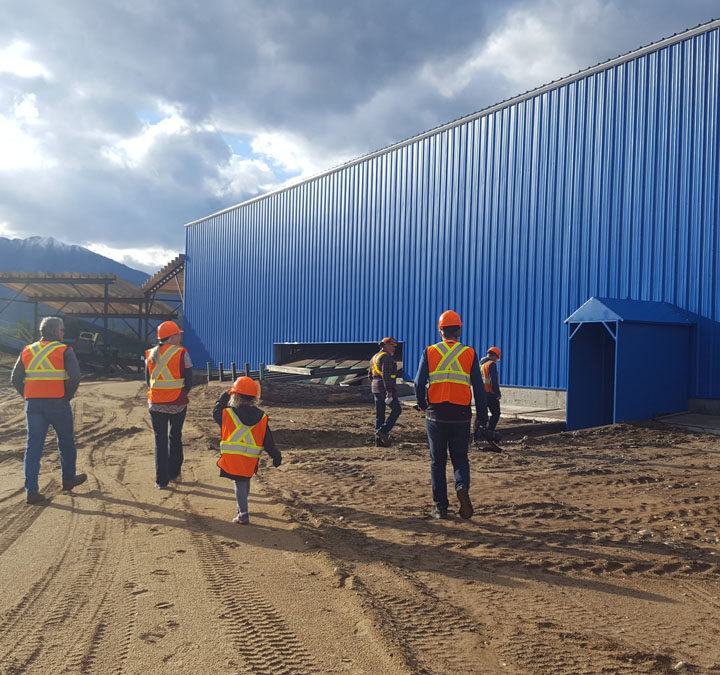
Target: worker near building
x=168, y=374
x=47, y=375
x=447, y=379
x=383, y=380
x=488, y=368
x=244, y=435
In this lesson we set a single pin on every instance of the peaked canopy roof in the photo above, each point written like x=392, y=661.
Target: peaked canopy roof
x=86, y=295
x=632, y=311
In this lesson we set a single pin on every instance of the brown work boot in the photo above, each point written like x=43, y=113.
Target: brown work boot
x=78, y=480
x=466, y=507
x=35, y=498
x=382, y=440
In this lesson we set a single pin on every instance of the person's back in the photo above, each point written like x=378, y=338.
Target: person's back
x=244, y=435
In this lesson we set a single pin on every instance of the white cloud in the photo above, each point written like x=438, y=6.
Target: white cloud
x=13, y=60
x=146, y=259
x=7, y=231
x=19, y=149
x=527, y=51
x=26, y=109
x=130, y=152
x=242, y=178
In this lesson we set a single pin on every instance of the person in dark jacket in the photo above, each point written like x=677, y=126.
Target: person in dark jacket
x=489, y=371
x=47, y=375
x=244, y=435
x=383, y=377
x=447, y=380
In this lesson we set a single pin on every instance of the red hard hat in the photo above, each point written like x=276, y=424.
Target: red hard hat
x=167, y=329
x=245, y=385
x=449, y=318
x=494, y=350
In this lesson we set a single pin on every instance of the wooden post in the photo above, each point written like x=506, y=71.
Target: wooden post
x=209, y=371
x=247, y=370
x=234, y=371
x=261, y=371
x=220, y=370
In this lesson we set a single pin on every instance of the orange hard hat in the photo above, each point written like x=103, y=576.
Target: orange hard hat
x=388, y=341
x=494, y=350
x=167, y=329
x=245, y=385
x=449, y=318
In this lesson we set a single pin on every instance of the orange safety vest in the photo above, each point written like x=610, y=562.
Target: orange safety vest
x=241, y=445
x=166, y=381
x=375, y=368
x=449, y=363
x=485, y=370
x=45, y=373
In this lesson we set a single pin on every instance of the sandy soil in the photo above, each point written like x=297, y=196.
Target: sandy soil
x=589, y=552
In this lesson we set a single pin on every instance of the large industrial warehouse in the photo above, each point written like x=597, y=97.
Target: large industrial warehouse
x=600, y=187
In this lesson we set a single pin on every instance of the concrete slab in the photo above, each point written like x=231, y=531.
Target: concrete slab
x=707, y=424
x=530, y=413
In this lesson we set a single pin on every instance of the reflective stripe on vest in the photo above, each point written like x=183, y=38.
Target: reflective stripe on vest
x=241, y=445
x=45, y=372
x=449, y=368
x=160, y=375
x=374, y=368
x=485, y=370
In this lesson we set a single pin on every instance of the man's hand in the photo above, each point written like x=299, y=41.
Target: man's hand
x=388, y=399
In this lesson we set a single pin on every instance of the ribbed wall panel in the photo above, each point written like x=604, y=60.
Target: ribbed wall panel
x=606, y=185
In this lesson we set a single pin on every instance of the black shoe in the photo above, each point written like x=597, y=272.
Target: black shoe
x=78, y=480
x=35, y=498
x=466, y=507
x=438, y=514
x=161, y=487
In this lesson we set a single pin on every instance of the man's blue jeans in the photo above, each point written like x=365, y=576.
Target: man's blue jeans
x=168, y=457
x=381, y=424
x=455, y=438
x=41, y=414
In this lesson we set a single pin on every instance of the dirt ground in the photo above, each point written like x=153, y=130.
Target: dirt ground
x=589, y=552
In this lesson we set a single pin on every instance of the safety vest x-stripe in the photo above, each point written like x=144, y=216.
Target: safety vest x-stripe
x=241, y=444
x=45, y=373
x=485, y=370
x=374, y=365
x=166, y=382
x=449, y=365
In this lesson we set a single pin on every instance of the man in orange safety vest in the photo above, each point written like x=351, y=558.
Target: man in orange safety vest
x=47, y=375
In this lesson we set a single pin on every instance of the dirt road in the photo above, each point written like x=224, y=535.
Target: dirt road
x=589, y=552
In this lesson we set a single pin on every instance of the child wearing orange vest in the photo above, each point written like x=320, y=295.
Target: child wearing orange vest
x=245, y=435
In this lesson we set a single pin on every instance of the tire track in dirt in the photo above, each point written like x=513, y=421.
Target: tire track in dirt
x=423, y=627
x=257, y=631
x=19, y=517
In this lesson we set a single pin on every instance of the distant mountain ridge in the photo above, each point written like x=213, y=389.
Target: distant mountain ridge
x=47, y=254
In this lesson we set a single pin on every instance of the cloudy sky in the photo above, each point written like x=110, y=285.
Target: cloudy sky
x=122, y=120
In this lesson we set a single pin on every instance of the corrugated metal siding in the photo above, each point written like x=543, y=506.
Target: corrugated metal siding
x=605, y=186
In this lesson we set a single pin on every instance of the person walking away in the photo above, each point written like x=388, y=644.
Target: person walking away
x=489, y=371
x=168, y=374
x=383, y=378
x=447, y=378
x=47, y=376
x=244, y=435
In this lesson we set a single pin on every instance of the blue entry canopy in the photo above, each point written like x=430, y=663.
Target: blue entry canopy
x=634, y=311
x=629, y=359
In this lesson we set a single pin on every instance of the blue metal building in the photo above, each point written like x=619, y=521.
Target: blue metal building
x=604, y=183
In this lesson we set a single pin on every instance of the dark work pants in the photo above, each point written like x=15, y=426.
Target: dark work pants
x=493, y=404
x=455, y=438
x=383, y=425
x=168, y=456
